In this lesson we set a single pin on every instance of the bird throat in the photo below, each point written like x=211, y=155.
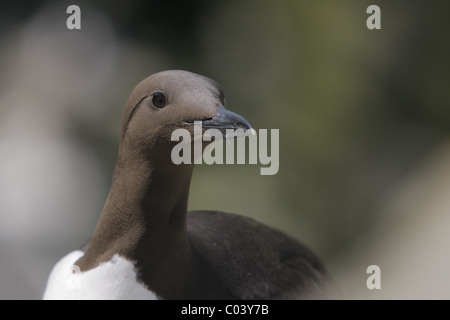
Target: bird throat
x=144, y=217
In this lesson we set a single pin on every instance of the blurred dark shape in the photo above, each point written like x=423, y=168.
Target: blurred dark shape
x=173, y=26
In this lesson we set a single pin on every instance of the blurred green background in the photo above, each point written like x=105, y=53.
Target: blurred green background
x=364, y=120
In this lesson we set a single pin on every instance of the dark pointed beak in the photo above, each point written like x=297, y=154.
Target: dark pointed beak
x=226, y=119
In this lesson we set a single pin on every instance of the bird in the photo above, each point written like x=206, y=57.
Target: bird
x=146, y=244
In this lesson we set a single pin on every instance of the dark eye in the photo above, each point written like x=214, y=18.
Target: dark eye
x=159, y=100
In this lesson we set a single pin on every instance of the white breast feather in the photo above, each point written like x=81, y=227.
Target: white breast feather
x=115, y=279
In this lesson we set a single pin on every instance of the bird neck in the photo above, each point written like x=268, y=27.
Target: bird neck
x=145, y=213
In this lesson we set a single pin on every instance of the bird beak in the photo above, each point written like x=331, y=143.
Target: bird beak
x=226, y=119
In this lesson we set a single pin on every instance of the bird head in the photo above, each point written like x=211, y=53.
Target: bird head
x=171, y=100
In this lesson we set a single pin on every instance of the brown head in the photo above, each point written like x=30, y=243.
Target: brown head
x=169, y=100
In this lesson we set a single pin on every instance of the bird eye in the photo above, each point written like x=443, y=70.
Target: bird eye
x=159, y=100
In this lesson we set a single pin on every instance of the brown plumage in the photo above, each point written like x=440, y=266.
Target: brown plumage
x=200, y=254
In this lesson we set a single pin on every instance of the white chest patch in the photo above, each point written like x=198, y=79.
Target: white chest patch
x=112, y=280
